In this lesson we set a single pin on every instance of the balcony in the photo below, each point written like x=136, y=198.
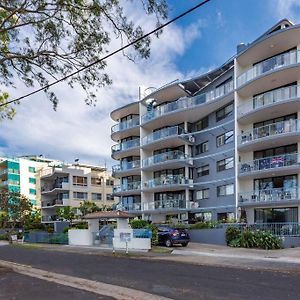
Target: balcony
x=49, y=188
x=276, y=196
x=167, y=137
x=280, y=165
x=168, y=205
x=270, y=136
x=49, y=219
x=284, y=65
x=125, y=148
x=129, y=188
x=270, y=103
x=126, y=168
x=169, y=182
x=51, y=203
x=187, y=104
x=175, y=159
x=129, y=207
x=125, y=128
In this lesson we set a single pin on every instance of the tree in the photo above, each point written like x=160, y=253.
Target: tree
x=34, y=221
x=87, y=207
x=67, y=213
x=14, y=209
x=42, y=40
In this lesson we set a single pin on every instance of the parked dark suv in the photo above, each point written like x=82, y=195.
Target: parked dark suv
x=171, y=235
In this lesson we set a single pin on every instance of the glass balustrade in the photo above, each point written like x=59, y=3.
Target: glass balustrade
x=167, y=204
x=129, y=207
x=166, y=180
x=275, y=96
x=267, y=65
x=126, y=165
x=269, y=195
x=272, y=162
x=274, y=129
x=126, y=145
x=162, y=134
x=188, y=102
x=163, y=157
x=126, y=125
x=130, y=186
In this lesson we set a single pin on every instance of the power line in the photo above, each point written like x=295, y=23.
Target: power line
x=107, y=56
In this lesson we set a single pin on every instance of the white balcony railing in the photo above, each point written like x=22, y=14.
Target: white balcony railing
x=166, y=181
x=278, y=128
x=126, y=125
x=270, y=64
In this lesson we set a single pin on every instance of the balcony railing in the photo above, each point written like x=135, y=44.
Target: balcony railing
x=130, y=186
x=129, y=207
x=278, y=128
x=188, y=102
x=269, y=195
x=162, y=134
x=126, y=125
x=166, y=181
x=52, y=202
x=169, y=204
x=275, y=96
x=49, y=218
x=126, y=166
x=271, y=162
x=163, y=157
x=270, y=64
x=126, y=145
x=50, y=187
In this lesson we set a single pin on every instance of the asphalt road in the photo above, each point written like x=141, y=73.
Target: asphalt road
x=166, y=278
x=15, y=286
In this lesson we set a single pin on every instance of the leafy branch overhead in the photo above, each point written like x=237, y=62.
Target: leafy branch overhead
x=44, y=40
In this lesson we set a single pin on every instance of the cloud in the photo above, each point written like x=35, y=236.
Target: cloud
x=289, y=9
x=76, y=130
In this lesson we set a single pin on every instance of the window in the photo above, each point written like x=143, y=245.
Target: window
x=224, y=112
x=110, y=197
x=80, y=195
x=32, y=180
x=202, y=171
x=109, y=182
x=31, y=169
x=202, y=194
x=225, y=138
x=96, y=196
x=225, y=190
x=79, y=180
x=202, y=124
x=33, y=202
x=95, y=181
x=225, y=164
x=202, y=148
x=32, y=191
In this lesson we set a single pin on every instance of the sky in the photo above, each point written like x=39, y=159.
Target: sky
x=199, y=42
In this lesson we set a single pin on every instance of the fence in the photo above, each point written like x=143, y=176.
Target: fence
x=46, y=238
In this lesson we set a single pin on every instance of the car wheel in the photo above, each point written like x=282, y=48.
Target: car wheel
x=184, y=244
x=168, y=243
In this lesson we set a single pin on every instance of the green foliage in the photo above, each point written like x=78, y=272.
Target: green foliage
x=232, y=233
x=153, y=228
x=138, y=224
x=3, y=237
x=66, y=229
x=66, y=36
x=50, y=229
x=67, y=213
x=252, y=239
x=87, y=207
x=6, y=111
x=59, y=238
x=34, y=221
x=204, y=225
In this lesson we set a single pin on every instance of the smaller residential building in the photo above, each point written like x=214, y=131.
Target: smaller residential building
x=69, y=185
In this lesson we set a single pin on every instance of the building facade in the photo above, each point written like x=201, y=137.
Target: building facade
x=221, y=145
x=69, y=185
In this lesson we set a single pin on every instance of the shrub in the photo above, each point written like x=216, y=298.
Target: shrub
x=66, y=230
x=138, y=224
x=3, y=237
x=204, y=225
x=154, y=238
x=232, y=233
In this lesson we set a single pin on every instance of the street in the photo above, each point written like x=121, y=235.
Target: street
x=166, y=278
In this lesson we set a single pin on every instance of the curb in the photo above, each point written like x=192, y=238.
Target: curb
x=100, y=288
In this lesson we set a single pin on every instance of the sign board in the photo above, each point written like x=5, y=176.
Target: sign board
x=125, y=237
x=14, y=237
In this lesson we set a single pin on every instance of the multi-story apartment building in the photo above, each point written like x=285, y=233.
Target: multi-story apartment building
x=221, y=145
x=69, y=185
x=19, y=175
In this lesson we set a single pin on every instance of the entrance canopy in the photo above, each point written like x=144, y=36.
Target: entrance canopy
x=104, y=215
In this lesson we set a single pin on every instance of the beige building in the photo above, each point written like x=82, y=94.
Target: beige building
x=69, y=185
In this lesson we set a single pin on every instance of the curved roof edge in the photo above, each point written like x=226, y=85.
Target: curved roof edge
x=269, y=34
